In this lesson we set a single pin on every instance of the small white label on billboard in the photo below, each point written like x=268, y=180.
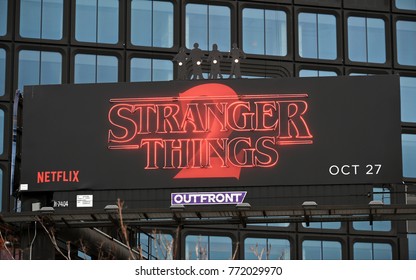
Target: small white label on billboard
x=24, y=187
x=84, y=200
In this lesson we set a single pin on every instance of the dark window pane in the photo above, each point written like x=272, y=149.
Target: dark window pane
x=376, y=40
x=51, y=68
x=30, y=18
x=90, y=68
x=3, y=19
x=366, y=40
x=107, y=69
x=412, y=246
x=321, y=250
x=406, y=4
x=207, y=25
x=409, y=155
x=317, y=36
x=152, y=23
x=86, y=20
x=372, y=251
x=97, y=24
x=85, y=70
x=266, y=249
x=108, y=11
x=162, y=70
x=41, y=19
x=140, y=70
x=408, y=98
x=39, y=68
x=275, y=33
x=264, y=32
x=406, y=40
x=199, y=247
x=147, y=69
x=2, y=72
x=253, y=31
x=219, y=31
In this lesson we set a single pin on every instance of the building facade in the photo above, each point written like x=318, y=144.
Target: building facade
x=105, y=41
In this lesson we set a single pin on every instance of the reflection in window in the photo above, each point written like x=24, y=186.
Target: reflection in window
x=406, y=40
x=366, y=40
x=406, y=4
x=203, y=247
x=1, y=145
x=39, y=68
x=147, y=69
x=317, y=36
x=408, y=98
x=207, y=25
x=321, y=250
x=412, y=246
x=409, y=155
x=372, y=251
x=380, y=194
x=152, y=23
x=323, y=225
x=156, y=245
x=264, y=32
x=2, y=72
x=3, y=18
x=91, y=68
x=96, y=21
x=266, y=249
x=316, y=73
x=41, y=19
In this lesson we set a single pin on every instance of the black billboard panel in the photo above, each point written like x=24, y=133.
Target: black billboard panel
x=212, y=133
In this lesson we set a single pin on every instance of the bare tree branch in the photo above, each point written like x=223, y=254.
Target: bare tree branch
x=52, y=237
x=3, y=242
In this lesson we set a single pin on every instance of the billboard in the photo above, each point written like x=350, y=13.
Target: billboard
x=212, y=133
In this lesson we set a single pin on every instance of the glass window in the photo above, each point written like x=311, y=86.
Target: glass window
x=321, y=250
x=372, y=251
x=266, y=249
x=412, y=246
x=409, y=155
x=96, y=21
x=2, y=72
x=152, y=23
x=157, y=245
x=408, y=98
x=317, y=36
x=147, y=69
x=203, y=247
x=316, y=73
x=406, y=40
x=366, y=40
x=207, y=25
x=3, y=17
x=41, y=19
x=264, y=32
x=381, y=194
x=91, y=68
x=406, y=4
x=323, y=225
x=39, y=68
x=1, y=145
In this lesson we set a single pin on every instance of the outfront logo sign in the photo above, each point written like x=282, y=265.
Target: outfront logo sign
x=209, y=131
x=203, y=134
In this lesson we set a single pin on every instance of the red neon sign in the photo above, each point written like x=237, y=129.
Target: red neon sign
x=209, y=130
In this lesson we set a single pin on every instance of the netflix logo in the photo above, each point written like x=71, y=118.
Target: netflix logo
x=70, y=176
